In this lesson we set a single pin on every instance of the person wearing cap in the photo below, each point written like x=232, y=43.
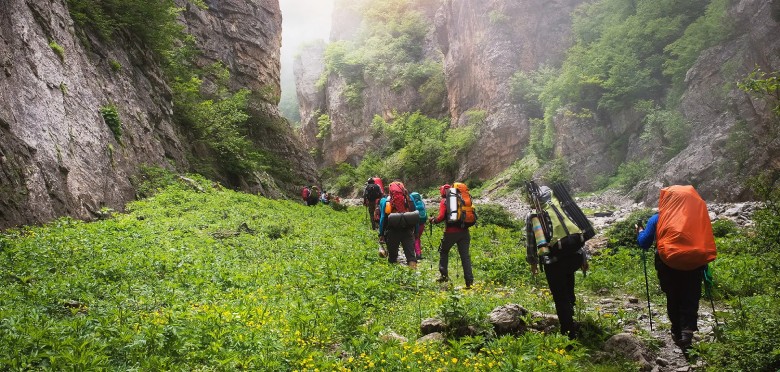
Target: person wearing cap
x=559, y=267
x=453, y=234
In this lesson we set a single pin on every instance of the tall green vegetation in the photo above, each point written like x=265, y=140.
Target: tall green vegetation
x=215, y=117
x=765, y=85
x=388, y=51
x=626, y=56
x=416, y=148
x=152, y=23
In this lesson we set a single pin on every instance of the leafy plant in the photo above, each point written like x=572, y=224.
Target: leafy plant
x=111, y=117
x=763, y=84
x=115, y=65
x=323, y=124
x=496, y=214
x=57, y=49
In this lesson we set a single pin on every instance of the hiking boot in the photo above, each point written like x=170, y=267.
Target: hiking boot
x=676, y=338
x=443, y=279
x=413, y=265
x=686, y=340
x=419, y=257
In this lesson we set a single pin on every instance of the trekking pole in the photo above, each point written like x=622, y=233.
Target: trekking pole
x=708, y=289
x=647, y=290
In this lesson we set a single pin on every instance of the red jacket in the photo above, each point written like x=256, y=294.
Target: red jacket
x=443, y=217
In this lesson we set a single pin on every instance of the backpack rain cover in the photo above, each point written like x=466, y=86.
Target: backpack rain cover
x=684, y=232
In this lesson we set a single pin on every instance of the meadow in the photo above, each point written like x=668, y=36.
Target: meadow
x=207, y=278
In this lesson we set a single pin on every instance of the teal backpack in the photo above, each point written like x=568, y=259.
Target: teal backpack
x=419, y=204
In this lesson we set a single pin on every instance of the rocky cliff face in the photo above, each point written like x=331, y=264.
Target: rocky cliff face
x=484, y=44
x=58, y=155
x=245, y=35
x=735, y=136
x=350, y=136
x=480, y=45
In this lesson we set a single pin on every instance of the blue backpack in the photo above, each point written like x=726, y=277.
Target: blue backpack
x=419, y=204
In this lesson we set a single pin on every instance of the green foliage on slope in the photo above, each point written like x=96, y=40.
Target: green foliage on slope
x=199, y=277
x=417, y=149
x=387, y=51
x=625, y=53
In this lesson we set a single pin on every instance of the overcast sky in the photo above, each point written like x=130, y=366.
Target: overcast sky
x=302, y=21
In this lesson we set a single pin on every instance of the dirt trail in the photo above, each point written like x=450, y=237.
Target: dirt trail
x=617, y=207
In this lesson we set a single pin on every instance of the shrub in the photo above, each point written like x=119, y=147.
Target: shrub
x=495, y=214
x=630, y=173
x=111, y=117
x=558, y=172
x=58, y=50
x=623, y=234
x=723, y=228
x=115, y=65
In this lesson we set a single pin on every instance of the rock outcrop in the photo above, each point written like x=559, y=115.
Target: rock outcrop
x=350, y=136
x=734, y=135
x=58, y=156
x=484, y=44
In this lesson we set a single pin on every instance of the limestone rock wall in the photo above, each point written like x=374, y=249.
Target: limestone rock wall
x=59, y=157
x=734, y=135
x=57, y=154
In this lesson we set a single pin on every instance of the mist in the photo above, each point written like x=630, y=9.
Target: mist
x=303, y=21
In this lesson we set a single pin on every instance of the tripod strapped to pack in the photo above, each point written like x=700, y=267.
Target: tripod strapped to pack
x=556, y=220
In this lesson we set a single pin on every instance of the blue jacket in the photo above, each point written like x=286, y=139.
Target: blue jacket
x=646, y=237
x=382, y=215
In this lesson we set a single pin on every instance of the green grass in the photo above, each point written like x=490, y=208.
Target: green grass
x=221, y=280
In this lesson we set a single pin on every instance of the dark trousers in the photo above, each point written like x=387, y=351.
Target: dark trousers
x=560, y=279
x=683, y=291
x=463, y=240
x=400, y=237
x=371, y=206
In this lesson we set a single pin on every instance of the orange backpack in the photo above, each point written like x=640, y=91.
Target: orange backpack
x=460, y=211
x=684, y=232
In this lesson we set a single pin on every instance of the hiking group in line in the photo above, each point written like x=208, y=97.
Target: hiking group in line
x=312, y=195
x=556, y=230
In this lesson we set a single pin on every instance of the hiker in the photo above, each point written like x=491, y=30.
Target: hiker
x=314, y=196
x=325, y=197
x=305, y=192
x=455, y=232
x=680, y=261
x=560, y=258
x=371, y=195
x=397, y=223
x=419, y=205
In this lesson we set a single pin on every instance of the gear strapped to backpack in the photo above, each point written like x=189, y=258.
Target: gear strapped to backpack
x=556, y=228
x=398, y=209
x=684, y=236
x=460, y=211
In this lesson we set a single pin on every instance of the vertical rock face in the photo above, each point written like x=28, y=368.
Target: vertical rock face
x=350, y=136
x=246, y=35
x=484, y=44
x=57, y=154
x=734, y=135
x=309, y=65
